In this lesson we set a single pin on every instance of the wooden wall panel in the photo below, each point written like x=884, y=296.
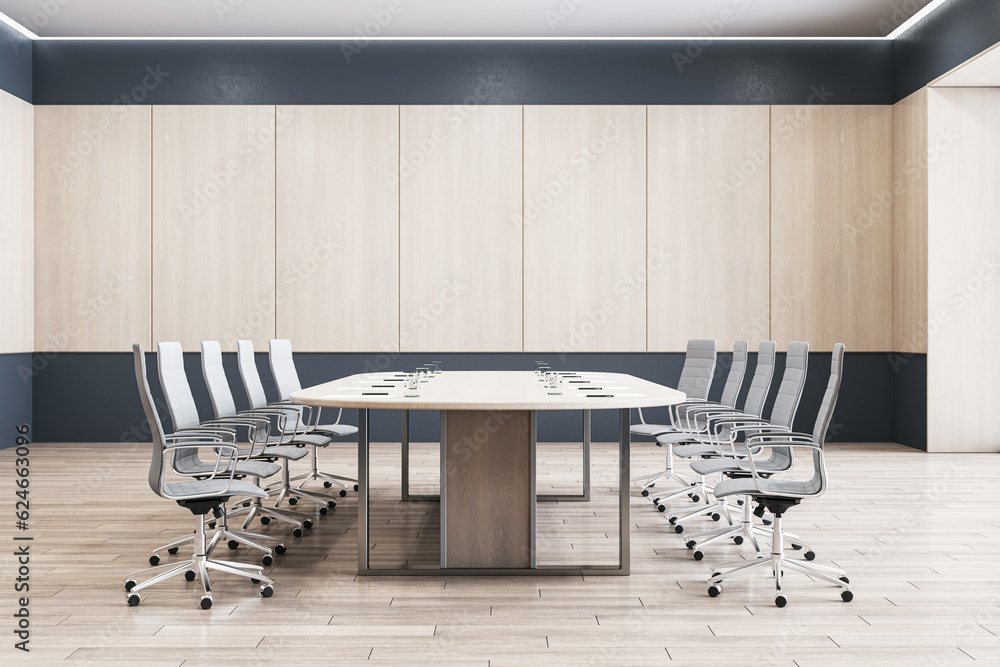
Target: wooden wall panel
x=585, y=275
x=338, y=228
x=213, y=224
x=92, y=228
x=831, y=226
x=16, y=225
x=460, y=243
x=709, y=213
x=909, y=224
x=963, y=240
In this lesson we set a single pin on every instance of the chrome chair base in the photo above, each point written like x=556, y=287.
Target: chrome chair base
x=778, y=562
x=329, y=480
x=197, y=567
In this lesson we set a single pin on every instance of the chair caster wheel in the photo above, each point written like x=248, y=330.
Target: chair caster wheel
x=644, y=493
x=845, y=580
x=129, y=585
x=678, y=528
x=233, y=544
x=266, y=560
x=714, y=591
x=343, y=493
x=322, y=511
x=672, y=520
x=267, y=590
x=133, y=600
x=297, y=532
x=716, y=516
x=810, y=555
x=846, y=596
x=661, y=508
x=211, y=524
x=331, y=504
x=307, y=524
x=715, y=574
x=246, y=504
x=206, y=602
x=695, y=498
x=355, y=487
x=738, y=539
x=780, y=601
x=280, y=549
x=690, y=544
x=797, y=547
x=293, y=501
x=656, y=501
x=698, y=555
x=173, y=550
x=327, y=485
x=264, y=520
x=154, y=560
x=766, y=522
x=740, y=503
x=255, y=581
x=190, y=575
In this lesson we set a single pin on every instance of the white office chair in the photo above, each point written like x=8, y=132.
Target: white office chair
x=695, y=381
x=777, y=494
x=286, y=379
x=203, y=492
x=258, y=401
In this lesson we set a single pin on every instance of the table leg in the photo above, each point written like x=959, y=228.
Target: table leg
x=624, y=454
x=363, y=490
x=584, y=496
x=405, y=495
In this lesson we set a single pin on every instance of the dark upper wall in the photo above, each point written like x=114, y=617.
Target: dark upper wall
x=944, y=39
x=15, y=62
x=463, y=72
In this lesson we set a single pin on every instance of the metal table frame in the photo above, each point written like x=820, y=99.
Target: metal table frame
x=624, y=446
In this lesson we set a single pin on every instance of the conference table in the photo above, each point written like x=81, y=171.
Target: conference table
x=488, y=494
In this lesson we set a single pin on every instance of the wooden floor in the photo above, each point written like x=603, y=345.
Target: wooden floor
x=918, y=533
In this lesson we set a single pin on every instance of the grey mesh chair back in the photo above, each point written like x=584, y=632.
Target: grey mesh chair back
x=248, y=373
x=215, y=379
x=176, y=389
x=699, y=367
x=156, y=472
x=792, y=382
x=825, y=416
x=737, y=371
x=286, y=378
x=760, y=383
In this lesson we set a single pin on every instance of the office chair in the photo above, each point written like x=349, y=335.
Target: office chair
x=777, y=495
x=225, y=408
x=209, y=490
x=286, y=379
x=690, y=419
x=253, y=462
x=724, y=431
x=258, y=401
x=687, y=445
x=695, y=381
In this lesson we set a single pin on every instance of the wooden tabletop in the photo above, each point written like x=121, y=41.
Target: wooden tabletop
x=489, y=390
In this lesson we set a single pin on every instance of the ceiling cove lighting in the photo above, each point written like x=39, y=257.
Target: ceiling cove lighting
x=903, y=27
x=913, y=20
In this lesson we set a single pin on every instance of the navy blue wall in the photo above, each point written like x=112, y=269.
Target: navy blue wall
x=105, y=405
x=464, y=72
x=15, y=395
x=944, y=39
x=15, y=62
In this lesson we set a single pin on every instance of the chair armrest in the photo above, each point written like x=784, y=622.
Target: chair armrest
x=193, y=434
x=784, y=443
x=217, y=447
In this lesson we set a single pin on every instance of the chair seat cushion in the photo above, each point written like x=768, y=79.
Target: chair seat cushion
x=279, y=452
x=748, y=486
x=213, y=488
x=651, y=429
x=673, y=439
x=336, y=429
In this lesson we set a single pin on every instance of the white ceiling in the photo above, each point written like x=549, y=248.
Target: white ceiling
x=460, y=18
